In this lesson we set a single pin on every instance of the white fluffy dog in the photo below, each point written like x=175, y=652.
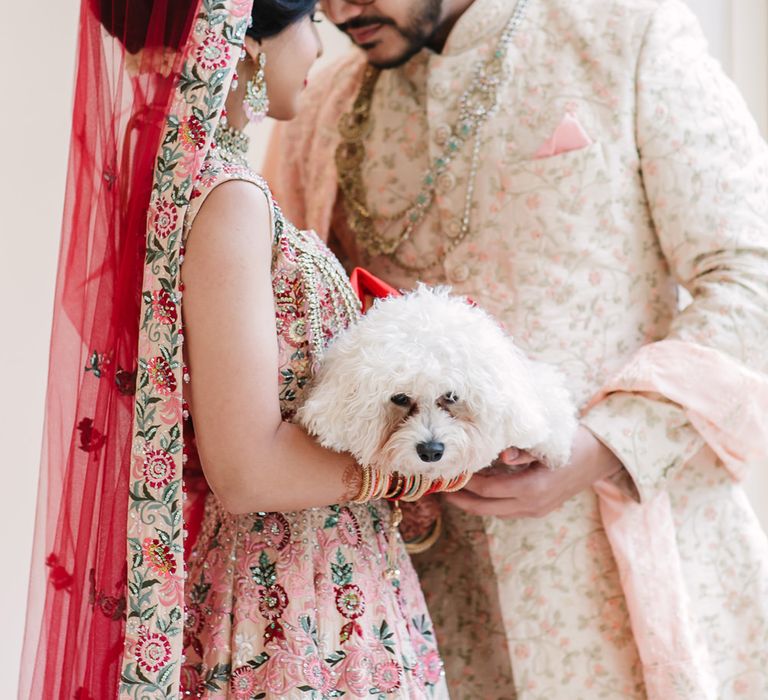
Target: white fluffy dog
x=428, y=384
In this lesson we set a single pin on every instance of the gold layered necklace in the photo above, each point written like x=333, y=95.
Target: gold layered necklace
x=231, y=144
x=476, y=105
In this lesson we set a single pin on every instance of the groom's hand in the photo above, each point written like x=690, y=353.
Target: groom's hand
x=530, y=489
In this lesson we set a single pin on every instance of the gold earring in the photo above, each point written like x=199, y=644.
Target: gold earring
x=256, y=102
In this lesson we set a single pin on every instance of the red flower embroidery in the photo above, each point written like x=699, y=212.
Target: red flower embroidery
x=213, y=52
x=243, y=683
x=193, y=619
x=153, y=651
x=158, y=468
x=318, y=675
x=161, y=376
x=350, y=601
x=192, y=134
x=90, y=438
x=386, y=676
x=163, y=307
x=125, y=382
x=350, y=628
x=159, y=557
x=190, y=680
x=277, y=532
x=165, y=219
x=273, y=601
x=349, y=528
x=274, y=631
x=59, y=577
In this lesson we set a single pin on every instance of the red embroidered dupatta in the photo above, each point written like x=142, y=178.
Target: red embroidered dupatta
x=105, y=609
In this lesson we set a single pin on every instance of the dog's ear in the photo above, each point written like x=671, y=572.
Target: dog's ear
x=560, y=411
x=517, y=399
x=342, y=407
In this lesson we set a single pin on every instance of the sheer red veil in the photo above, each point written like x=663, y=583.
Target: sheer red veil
x=106, y=591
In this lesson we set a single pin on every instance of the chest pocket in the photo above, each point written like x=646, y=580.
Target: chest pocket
x=554, y=197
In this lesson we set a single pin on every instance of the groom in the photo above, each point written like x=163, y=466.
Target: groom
x=569, y=165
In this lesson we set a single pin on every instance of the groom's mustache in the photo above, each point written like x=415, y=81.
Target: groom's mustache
x=368, y=21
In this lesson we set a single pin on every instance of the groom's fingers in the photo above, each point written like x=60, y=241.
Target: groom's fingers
x=516, y=484
x=514, y=457
x=499, y=507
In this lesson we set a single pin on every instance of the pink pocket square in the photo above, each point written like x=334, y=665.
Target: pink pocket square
x=569, y=136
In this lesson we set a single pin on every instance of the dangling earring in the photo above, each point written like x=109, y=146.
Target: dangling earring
x=256, y=102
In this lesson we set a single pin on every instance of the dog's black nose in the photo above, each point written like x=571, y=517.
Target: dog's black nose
x=430, y=451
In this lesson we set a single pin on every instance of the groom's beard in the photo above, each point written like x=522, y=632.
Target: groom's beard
x=417, y=33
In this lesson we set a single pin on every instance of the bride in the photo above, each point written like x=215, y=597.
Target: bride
x=255, y=558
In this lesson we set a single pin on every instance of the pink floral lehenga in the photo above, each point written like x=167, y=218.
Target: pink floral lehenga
x=295, y=605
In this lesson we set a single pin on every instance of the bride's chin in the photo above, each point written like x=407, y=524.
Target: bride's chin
x=284, y=112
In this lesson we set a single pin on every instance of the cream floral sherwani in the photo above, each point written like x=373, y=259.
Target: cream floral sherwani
x=581, y=255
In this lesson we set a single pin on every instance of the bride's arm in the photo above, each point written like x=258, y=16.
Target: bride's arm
x=253, y=461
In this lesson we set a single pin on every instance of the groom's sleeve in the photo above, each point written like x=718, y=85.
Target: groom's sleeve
x=705, y=171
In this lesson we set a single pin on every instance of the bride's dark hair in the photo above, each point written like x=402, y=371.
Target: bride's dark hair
x=270, y=17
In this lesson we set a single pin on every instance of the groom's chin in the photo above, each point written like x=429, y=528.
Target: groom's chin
x=389, y=52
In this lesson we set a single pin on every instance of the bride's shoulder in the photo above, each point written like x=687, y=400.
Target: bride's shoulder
x=223, y=186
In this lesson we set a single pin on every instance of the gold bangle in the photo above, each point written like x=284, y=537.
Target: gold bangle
x=426, y=542
x=363, y=494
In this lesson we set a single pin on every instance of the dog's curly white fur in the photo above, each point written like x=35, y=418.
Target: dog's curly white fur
x=427, y=384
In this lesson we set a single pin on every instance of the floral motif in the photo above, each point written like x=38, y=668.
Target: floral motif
x=273, y=601
x=318, y=675
x=209, y=171
x=386, y=676
x=193, y=618
x=91, y=439
x=348, y=528
x=276, y=532
x=161, y=375
x=165, y=218
x=190, y=680
x=213, y=53
x=192, y=134
x=158, y=468
x=59, y=577
x=243, y=682
x=350, y=601
x=159, y=557
x=153, y=651
x=164, y=307
x=125, y=382
x=432, y=666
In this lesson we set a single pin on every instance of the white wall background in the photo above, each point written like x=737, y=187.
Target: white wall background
x=34, y=120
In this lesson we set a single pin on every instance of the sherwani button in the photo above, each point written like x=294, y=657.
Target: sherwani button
x=453, y=228
x=446, y=181
x=459, y=274
x=439, y=90
x=442, y=134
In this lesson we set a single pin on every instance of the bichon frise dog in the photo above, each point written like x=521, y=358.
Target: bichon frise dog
x=427, y=383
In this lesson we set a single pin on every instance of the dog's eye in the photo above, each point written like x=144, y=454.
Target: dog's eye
x=450, y=397
x=401, y=400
